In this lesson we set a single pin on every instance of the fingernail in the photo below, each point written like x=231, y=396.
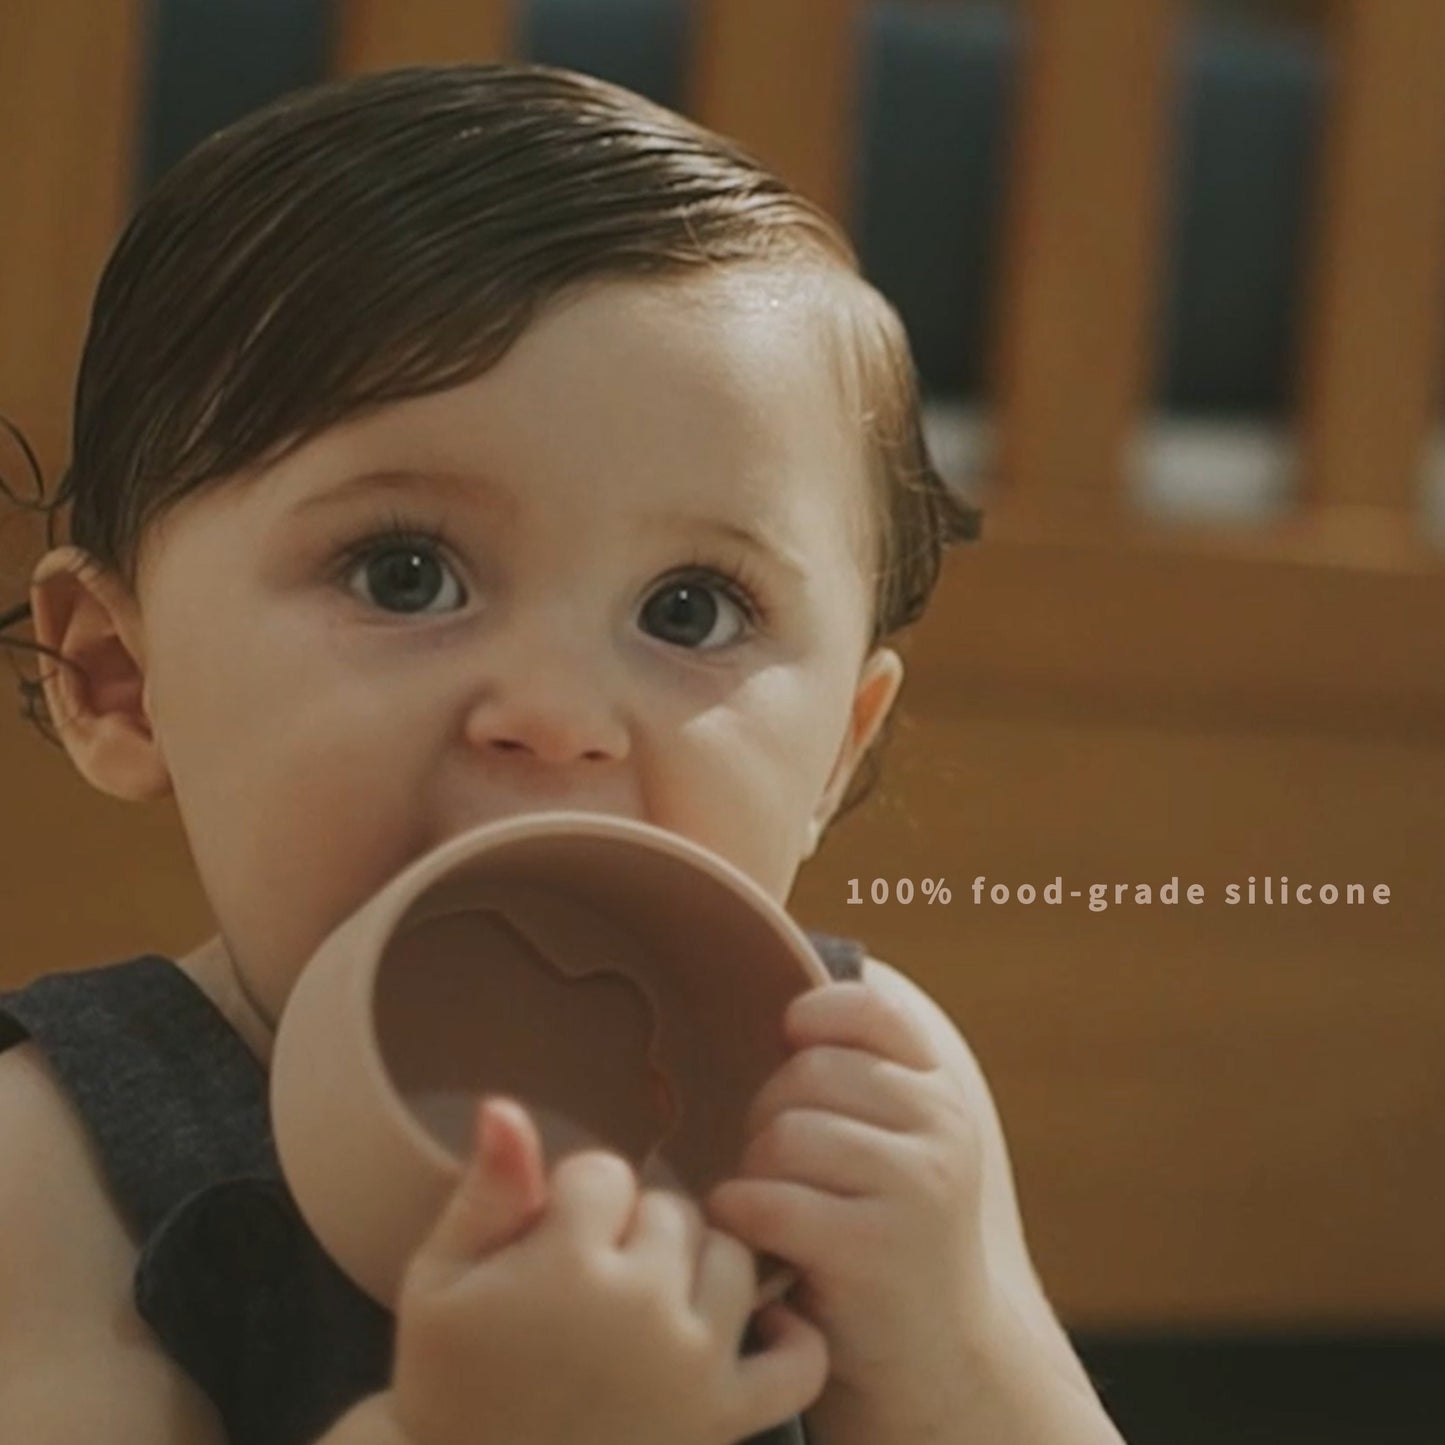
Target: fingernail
x=488, y=1134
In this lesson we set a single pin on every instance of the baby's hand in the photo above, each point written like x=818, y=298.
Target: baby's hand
x=591, y=1310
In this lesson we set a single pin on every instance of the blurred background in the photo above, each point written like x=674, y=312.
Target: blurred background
x=1174, y=274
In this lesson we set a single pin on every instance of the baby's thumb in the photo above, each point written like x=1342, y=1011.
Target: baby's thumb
x=502, y=1189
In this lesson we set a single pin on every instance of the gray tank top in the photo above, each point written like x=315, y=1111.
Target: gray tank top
x=230, y=1279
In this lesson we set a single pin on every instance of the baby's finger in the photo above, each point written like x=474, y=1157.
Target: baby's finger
x=788, y=1375
x=501, y=1193
x=665, y=1237
x=593, y=1194
x=508, y=1138
x=675, y=1209
x=725, y=1284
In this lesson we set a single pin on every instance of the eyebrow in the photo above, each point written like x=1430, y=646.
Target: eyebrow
x=474, y=487
x=394, y=479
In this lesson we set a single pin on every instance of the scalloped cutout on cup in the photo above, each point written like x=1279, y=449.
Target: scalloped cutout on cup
x=584, y=1066
x=467, y=973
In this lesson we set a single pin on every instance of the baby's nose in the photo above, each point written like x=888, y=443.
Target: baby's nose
x=550, y=710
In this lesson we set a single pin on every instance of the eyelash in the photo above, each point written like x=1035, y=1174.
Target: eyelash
x=734, y=576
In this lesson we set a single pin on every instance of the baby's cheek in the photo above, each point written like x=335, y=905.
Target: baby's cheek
x=305, y=844
x=749, y=788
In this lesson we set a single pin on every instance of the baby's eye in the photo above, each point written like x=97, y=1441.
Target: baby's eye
x=685, y=610
x=403, y=568
x=400, y=570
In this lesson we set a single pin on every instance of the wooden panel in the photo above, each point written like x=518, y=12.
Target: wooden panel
x=84, y=879
x=779, y=78
x=70, y=78
x=1081, y=241
x=1372, y=368
x=381, y=34
x=1137, y=634
x=1219, y=1115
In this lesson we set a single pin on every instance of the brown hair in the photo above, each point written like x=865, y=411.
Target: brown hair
x=379, y=237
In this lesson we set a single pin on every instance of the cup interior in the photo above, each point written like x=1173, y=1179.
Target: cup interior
x=466, y=1003
x=630, y=999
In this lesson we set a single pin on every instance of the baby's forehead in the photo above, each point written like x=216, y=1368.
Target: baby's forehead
x=789, y=321
x=805, y=286
x=815, y=302
x=771, y=339
x=758, y=336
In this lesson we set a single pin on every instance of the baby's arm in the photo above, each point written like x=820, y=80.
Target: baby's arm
x=76, y=1361
x=369, y=1422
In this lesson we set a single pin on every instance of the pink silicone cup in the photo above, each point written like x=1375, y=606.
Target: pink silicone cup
x=406, y=1014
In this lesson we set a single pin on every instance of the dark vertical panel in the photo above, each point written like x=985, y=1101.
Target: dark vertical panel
x=212, y=61
x=1247, y=121
x=641, y=44
x=934, y=108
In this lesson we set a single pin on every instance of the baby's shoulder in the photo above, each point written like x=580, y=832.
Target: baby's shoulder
x=51, y=1186
x=63, y=1244
x=66, y=1265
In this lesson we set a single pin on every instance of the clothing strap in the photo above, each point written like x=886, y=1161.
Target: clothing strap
x=123, y=1041
x=843, y=957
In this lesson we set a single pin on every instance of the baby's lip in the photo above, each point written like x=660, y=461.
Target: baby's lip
x=506, y=812
x=486, y=817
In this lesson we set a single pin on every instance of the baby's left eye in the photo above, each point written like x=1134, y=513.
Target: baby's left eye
x=685, y=611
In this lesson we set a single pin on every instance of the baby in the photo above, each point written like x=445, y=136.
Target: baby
x=639, y=450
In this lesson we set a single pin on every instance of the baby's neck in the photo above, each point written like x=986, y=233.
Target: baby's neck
x=211, y=968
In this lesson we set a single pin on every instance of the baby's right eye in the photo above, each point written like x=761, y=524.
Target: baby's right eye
x=404, y=559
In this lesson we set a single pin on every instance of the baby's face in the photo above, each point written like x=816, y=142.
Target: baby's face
x=326, y=717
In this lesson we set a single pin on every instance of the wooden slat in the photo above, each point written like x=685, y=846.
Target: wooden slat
x=1083, y=233
x=1139, y=633
x=1372, y=365
x=381, y=34
x=779, y=77
x=70, y=78
x=1369, y=539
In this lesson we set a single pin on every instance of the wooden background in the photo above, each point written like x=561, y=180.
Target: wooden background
x=1218, y=1116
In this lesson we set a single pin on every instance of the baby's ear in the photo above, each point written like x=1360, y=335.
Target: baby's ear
x=879, y=680
x=98, y=706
